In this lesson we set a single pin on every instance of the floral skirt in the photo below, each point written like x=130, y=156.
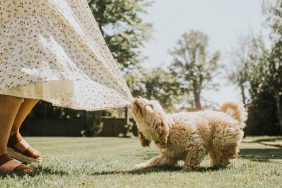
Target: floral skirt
x=53, y=50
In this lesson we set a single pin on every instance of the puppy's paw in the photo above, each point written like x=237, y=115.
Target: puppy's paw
x=141, y=165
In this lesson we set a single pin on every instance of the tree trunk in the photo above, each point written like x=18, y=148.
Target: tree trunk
x=197, y=97
x=278, y=111
x=198, y=101
x=243, y=93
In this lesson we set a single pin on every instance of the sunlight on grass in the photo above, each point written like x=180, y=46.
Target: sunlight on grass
x=109, y=162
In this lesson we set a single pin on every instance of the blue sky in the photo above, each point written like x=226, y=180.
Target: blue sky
x=224, y=21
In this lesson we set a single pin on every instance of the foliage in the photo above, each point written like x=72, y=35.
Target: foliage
x=265, y=115
x=123, y=28
x=274, y=78
x=258, y=68
x=94, y=124
x=162, y=86
x=262, y=119
x=193, y=66
x=249, y=53
x=158, y=84
x=135, y=82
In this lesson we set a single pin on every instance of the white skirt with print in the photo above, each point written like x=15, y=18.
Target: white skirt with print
x=53, y=50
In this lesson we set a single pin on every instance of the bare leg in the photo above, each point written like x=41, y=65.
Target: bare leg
x=161, y=160
x=23, y=112
x=9, y=106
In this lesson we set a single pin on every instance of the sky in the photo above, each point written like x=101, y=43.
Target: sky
x=223, y=21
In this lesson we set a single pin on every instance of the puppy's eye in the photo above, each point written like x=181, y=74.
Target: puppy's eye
x=150, y=105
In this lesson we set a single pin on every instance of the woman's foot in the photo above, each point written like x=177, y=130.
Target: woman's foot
x=9, y=165
x=19, y=149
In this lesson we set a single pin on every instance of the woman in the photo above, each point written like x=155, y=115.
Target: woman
x=51, y=50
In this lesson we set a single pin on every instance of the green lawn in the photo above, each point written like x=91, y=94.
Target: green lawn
x=109, y=162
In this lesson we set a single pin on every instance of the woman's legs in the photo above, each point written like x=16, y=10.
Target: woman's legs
x=9, y=107
x=23, y=112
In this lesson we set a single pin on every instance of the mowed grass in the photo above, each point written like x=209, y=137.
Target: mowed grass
x=109, y=162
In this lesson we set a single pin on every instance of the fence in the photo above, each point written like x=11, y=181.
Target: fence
x=73, y=127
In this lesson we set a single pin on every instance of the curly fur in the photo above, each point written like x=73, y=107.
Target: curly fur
x=190, y=136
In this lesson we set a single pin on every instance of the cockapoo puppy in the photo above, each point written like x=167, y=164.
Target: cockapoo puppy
x=190, y=136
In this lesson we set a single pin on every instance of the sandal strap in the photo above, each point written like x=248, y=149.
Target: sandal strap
x=24, y=142
x=4, y=158
x=14, y=139
x=10, y=165
x=28, y=152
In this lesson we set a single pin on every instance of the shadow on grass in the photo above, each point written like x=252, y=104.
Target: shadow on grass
x=39, y=171
x=50, y=171
x=153, y=170
x=261, y=155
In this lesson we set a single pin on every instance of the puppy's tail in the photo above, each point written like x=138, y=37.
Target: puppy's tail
x=237, y=111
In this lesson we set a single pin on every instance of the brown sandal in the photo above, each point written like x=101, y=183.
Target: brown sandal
x=25, y=156
x=9, y=165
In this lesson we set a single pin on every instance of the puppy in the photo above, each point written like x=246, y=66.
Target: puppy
x=190, y=136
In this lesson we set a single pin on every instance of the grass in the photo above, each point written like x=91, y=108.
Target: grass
x=109, y=162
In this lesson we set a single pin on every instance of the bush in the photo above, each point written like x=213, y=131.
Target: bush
x=262, y=118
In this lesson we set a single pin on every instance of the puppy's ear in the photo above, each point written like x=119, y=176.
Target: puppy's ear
x=144, y=141
x=162, y=130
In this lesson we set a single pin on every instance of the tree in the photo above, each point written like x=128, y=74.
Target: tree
x=193, y=66
x=238, y=70
x=161, y=85
x=261, y=109
x=265, y=81
x=248, y=54
x=158, y=84
x=123, y=28
x=275, y=59
x=274, y=76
